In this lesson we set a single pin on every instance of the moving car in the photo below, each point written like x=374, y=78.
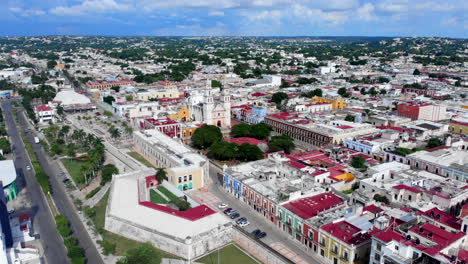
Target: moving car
x=66, y=180
x=223, y=205
x=28, y=167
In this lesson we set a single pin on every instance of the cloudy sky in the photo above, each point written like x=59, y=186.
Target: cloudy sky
x=447, y=18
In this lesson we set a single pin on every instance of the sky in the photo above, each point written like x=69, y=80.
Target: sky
x=412, y=18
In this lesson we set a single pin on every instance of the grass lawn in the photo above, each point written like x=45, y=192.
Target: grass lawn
x=230, y=254
x=74, y=169
x=168, y=194
x=141, y=159
x=157, y=198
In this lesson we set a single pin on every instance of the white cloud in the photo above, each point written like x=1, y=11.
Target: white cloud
x=274, y=15
x=91, y=6
x=366, y=12
x=318, y=15
x=450, y=21
x=27, y=12
x=216, y=13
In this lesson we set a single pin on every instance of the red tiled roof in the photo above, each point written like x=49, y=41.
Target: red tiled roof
x=372, y=208
x=344, y=127
x=459, y=123
x=406, y=187
x=436, y=148
x=248, y=140
x=309, y=207
x=442, y=217
x=161, y=122
x=190, y=214
x=346, y=232
x=43, y=107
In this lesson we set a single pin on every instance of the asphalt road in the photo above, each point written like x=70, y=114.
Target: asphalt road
x=54, y=250
x=63, y=203
x=257, y=221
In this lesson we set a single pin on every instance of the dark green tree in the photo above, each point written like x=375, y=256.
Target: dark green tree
x=205, y=136
x=279, y=97
x=107, y=172
x=5, y=145
x=416, y=72
x=216, y=84
x=144, y=253
x=161, y=175
x=108, y=99
x=248, y=152
x=434, y=142
x=358, y=162
x=281, y=143
x=241, y=130
x=342, y=91
x=260, y=131
x=222, y=150
x=350, y=118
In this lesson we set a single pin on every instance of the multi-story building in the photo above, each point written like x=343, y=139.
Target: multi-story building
x=421, y=243
x=44, y=113
x=342, y=242
x=205, y=109
x=147, y=94
x=185, y=169
x=292, y=215
x=165, y=125
x=257, y=116
x=316, y=134
x=422, y=111
x=458, y=126
x=101, y=85
x=186, y=233
x=336, y=102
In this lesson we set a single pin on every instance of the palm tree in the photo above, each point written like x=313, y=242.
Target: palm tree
x=114, y=132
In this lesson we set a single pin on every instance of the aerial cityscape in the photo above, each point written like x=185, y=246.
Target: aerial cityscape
x=226, y=132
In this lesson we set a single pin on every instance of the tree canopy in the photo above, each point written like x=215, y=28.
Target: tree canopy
x=258, y=131
x=281, y=143
x=144, y=253
x=279, y=97
x=205, y=136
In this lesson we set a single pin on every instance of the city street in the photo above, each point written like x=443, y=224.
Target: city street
x=275, y=237
x=59, y=194
x=44, y=223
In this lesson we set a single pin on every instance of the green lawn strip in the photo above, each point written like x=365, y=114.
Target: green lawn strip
x=230, y=254
x=157, y=198
x=40, y=174
x=168, y=194
x=141, y=159
x=74, y=169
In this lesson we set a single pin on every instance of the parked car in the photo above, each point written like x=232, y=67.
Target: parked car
x=232, y=211
x=257, y=233
x=242, y=219
x=227, y=210
x=28, y=167
x=260, y=235
x=234, y=215
x=246, y=223
x=66, y=180
x=223, y=205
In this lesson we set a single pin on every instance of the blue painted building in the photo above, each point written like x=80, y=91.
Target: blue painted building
x=232, y=185
x=257, y=116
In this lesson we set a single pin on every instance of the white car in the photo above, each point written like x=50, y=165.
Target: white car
x=242, y=224
x=28, y=167
x=222, y=206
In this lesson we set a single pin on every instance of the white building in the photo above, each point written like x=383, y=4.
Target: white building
x=44, y=113
x=187, y=234
x=206, y=110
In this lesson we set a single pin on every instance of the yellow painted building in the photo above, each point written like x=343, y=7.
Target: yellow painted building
x=145, y=95
x=185, y=169
x=342, y=243
x=458, y=127
x=338, y=103
x=182, y=114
